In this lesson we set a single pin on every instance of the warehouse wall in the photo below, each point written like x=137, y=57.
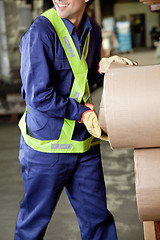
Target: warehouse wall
x=126, y=9
x=9, y=57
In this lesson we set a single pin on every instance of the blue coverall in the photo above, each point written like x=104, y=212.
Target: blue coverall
x=46, y=84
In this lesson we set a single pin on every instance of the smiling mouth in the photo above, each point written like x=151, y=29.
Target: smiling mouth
x=60, y=5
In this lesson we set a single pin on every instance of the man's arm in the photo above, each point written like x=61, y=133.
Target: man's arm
x=36, y=73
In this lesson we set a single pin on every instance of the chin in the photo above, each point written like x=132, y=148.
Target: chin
x=61, y=14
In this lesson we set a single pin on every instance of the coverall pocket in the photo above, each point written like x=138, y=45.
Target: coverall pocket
x=61, y=64
x=34, y=123
x=44, y=128
x=62, y=72
x=43, y=163
x=33, y=161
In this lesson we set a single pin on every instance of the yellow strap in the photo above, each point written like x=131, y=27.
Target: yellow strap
x=53, y=146
x=78, y=66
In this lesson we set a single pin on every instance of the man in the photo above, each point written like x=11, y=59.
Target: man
x=56, y=150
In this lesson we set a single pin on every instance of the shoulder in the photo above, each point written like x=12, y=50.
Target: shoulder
x=42, y=25
x=41, y=30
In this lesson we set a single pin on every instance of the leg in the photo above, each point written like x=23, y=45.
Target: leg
x=86, y=191
x=44, y=176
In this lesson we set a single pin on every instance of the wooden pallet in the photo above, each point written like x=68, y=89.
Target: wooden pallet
x=151, y=230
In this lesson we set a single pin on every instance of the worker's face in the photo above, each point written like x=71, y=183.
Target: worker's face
x=71, y=9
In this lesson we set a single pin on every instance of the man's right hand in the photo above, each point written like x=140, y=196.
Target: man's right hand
x=90, y=120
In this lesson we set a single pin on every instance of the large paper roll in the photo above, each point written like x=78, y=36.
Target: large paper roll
x=102, y=114
x=147, y=180
x=130, y=106
x=130, y=114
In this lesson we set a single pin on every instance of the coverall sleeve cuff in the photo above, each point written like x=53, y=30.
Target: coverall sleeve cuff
x=90, y=108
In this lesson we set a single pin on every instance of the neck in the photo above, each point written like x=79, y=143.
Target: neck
x=79, y=31
x=78, y=23
x=79, y=27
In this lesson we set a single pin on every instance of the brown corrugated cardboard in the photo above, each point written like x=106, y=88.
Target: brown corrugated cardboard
x=147, y=180
x=102, y=115
x=130, y=114
x=130, y=106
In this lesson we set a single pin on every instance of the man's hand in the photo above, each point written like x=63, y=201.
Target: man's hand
x=106, y=62
x=90, y=120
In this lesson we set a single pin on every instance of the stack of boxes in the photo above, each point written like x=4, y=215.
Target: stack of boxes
x=124, y=36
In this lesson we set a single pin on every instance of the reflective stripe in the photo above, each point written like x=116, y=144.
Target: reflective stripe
x=69, y=48
x=61, y=146
x=85, y=50
x=87, y=96
x=45, y=146
x=76, y=96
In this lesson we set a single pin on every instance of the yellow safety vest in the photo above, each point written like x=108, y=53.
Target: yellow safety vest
x=80, y=90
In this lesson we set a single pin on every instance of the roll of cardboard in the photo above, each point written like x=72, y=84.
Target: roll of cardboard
x=130, y=106
x=147, y=182
x=102, y=114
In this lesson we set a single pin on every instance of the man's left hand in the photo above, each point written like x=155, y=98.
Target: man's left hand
x=105, y=63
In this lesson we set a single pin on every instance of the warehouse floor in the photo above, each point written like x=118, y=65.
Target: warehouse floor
x=119, y=177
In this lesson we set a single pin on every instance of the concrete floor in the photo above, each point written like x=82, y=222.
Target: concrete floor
x=119, y=177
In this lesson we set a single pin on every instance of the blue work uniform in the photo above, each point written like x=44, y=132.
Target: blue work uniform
x=47, y=80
